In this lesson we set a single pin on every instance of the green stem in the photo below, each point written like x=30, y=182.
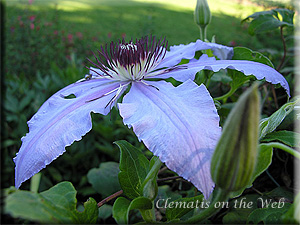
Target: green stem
x=203, y=32
x=227, y=95
x=208, y=74
x=169, y=178
x=221, y=197
x=149, y=215
x=35, y=182
x=272, y=178
x=283, y=147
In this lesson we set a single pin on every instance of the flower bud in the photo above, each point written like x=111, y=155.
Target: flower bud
x=234, y=159
x=202, y=14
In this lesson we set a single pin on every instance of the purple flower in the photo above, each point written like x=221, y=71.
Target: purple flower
x=178, y=124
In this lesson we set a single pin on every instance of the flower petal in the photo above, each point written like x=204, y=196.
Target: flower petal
x=221, y=51
x=59, y=122
x=180, y=125
x=179, y=52
x=259, y=70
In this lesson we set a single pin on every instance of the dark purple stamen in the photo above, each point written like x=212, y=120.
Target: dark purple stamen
x=144, y=53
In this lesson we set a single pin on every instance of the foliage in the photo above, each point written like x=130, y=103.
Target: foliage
x=270, y=20
x=30, y=56
x=105, y=178
x=56, y=205
x=47, y=57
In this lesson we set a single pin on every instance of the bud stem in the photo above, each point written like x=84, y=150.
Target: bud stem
x=282, y=147
x=203, y=32
x=227, y=95
x=221, y=196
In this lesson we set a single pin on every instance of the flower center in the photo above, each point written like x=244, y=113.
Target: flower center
x=130, y=61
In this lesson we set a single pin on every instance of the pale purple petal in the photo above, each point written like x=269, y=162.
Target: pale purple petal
x=180, y=125
x=179, y=52
x=59, y=122
x=259, y=70
x=221, y=51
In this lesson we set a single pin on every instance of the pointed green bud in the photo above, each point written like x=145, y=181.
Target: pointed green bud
x=234, y=159
x=202, y=17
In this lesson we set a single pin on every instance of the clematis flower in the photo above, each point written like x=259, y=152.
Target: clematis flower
x=179, y=124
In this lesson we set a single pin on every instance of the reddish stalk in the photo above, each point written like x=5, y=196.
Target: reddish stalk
x=118, y=193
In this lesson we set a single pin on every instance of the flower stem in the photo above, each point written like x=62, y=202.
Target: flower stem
x=221, y=197
x=149, y=215
x=35, y=182
x=169, y=178
x=202, y=32
x=227, y=95
x=272, y=178
x=110, y=198
x=284, y=49
x=283, y=147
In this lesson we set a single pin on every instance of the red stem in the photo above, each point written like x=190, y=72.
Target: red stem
x=284, y=49
x=110, y=198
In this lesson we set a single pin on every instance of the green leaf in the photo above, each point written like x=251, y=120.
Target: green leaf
x=287, y=15
x=238, y=216
x=141, y=203
x=220, y=76
x=264, y=160
x=105, y=211
x=56, y=205
x=265, y=23
x=90, y=213
x=238, y=79
x=269, y=124
x=280, y=192
x=134, y=167
x=240, y=209
x=122, y=207
x=178, y=208
x=165, y=191
x=292, y=216
x=242, y=53
x=268, y=215
x=269, y=20
x=285, y=136
x=105, y=178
